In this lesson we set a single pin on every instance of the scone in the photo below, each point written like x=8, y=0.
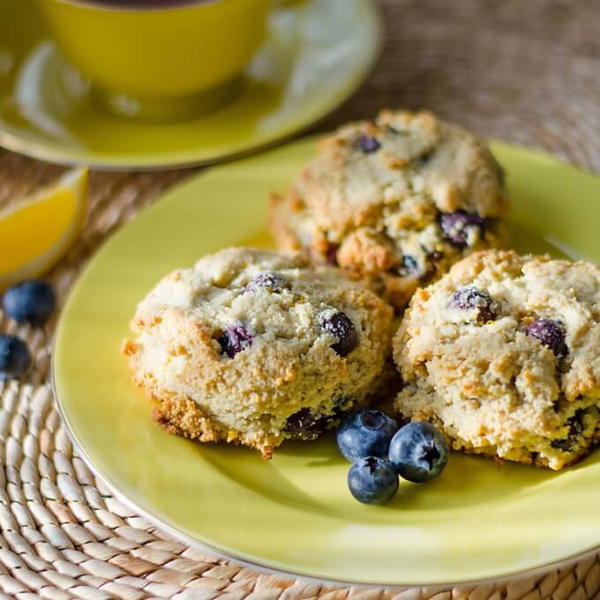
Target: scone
x=395, y=202
x=503, y=354
x=255, y=347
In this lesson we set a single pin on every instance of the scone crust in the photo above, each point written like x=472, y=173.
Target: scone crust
x=288, y=370
x=377, y=214
x=494, y=389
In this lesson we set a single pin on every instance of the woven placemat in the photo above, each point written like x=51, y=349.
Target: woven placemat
x=521, y=70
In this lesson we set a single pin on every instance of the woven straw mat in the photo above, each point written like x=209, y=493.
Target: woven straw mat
x=527, y=71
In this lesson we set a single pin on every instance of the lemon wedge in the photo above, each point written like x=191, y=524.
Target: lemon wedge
x=37, y=231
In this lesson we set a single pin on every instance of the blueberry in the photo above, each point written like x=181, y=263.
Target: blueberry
x=270, y=281
x=30, y=301
x=331, y=254
x=304, y=426
x=418, y=452
x=550, y=333
x=342, y=329
x=457, y=225
x=471, y=298
x=425, y=159
x=575, y=422
x=564, y=444
x=365, y=433
x=368, y=144
x=576, y=427
x=373, y=480
x=14, y=357
x=235, y=339
x=410, y=266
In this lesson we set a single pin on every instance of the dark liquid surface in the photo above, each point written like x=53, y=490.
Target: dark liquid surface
x=146, y=3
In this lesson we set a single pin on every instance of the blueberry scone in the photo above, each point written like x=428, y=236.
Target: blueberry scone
x=255, y=347
x=503, y=354
x=394, y=201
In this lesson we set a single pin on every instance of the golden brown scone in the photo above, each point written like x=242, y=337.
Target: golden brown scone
x=395, y=202
x=503, y=354
x=256, y=347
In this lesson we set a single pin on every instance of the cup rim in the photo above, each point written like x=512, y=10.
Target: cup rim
x=99, y=6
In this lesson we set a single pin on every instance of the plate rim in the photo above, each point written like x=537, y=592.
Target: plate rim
x=10, y=140
x=264, y=567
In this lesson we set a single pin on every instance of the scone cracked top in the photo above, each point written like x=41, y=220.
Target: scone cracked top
x=255, y=347
x=503, y=354
x=394, y=201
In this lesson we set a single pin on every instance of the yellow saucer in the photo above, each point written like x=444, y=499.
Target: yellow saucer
x=316, y=54
x=478, y=521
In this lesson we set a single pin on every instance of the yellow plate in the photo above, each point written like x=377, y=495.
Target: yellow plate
x=316, y=54
x=478, y=521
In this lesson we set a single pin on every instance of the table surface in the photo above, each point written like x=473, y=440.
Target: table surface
x=524, y=71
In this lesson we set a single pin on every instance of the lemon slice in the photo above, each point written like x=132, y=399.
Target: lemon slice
x=39, y=229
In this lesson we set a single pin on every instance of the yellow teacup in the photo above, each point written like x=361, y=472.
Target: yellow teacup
x=160, y=60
